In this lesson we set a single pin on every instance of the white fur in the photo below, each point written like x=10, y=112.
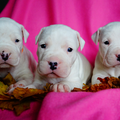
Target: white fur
x=20, y=63
x=73, y=68
x=106, y=63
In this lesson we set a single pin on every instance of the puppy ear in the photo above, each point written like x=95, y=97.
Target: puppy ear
x=37, y=37
x=24, y=33
x=95, y=36
x=81, y=41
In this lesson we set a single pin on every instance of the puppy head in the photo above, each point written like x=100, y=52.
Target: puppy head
x=11, y=42
x=57, y=50
x=109, y=43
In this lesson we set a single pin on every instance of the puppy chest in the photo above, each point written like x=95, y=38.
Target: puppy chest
x=4, y=72
x=115, y=72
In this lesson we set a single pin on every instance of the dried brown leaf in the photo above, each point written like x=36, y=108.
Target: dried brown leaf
x=22, y=106
x=106, y=83
x=20, y=98
x=8, y=80
x=21, y=93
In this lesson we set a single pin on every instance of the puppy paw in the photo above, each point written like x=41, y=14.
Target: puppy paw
x=59, y=88
x=13, y=86
x=30, y=86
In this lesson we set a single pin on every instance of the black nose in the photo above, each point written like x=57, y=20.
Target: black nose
x=53, y=65
x=118, y=57
x=4, y=56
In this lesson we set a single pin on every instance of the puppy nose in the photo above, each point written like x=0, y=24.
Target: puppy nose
x=118, y=57
x=53, y=65
x=4, y=56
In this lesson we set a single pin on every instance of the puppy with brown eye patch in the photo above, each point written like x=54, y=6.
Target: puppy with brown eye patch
x=107, y=61
x=59, y=62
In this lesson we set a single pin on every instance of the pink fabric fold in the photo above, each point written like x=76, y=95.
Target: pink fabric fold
x=103, y=105
x=85, y=17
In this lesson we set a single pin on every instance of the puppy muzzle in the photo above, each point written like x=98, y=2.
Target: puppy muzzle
x=9, y=54
x=112, y=56
x=5, y=55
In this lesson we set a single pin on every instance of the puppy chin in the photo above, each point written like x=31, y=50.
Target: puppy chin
x=9, y=64
x=53, y=75
x=5, y=65
x=48, y=74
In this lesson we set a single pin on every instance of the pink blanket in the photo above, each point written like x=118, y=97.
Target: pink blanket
x=85, y=16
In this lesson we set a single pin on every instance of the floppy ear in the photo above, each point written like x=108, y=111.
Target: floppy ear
x=37, y=37
x=81, y=41
x=24, y=33
x=95, y=36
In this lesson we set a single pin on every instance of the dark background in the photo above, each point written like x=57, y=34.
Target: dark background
x=3, y=4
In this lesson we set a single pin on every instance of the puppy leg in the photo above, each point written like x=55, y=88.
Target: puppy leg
x=95, y=76
x=38, y=82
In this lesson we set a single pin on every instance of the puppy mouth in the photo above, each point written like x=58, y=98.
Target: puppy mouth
x=53, y=75
x=5, y=65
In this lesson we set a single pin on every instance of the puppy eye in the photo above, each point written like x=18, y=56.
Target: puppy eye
x=17, y=40
x=43, y=46
x=69, y=49
x=106, y=43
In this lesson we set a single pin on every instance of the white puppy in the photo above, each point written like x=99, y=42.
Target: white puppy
x=15, y=58
x=59, y=62
x=107, y=62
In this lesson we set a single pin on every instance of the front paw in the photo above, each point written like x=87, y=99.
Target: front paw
x=59, y=88
x=13, y=86
x=30, y=86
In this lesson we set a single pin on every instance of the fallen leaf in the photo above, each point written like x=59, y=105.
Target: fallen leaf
x=8, y=104
x=20, y=99
x=106, y=83
x=21, y=93
x=8, y=80
x=22, y=106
